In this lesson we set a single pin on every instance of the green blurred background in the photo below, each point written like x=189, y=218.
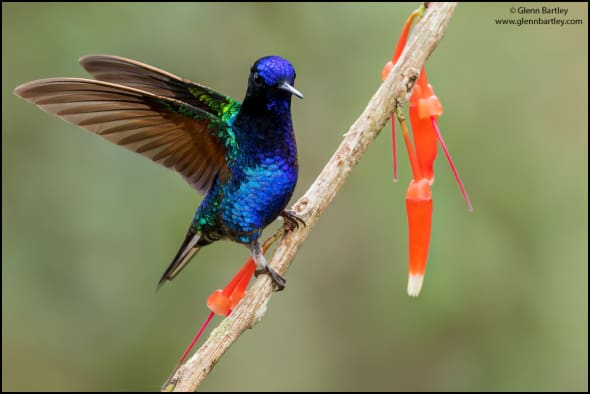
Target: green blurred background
x=88, y=228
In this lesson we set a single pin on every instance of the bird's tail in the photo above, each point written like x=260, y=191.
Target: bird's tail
x=186, y=251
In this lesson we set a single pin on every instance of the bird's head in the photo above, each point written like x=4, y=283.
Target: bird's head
x=272, y=77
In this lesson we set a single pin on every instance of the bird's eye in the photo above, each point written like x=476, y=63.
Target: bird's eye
x=257, y=79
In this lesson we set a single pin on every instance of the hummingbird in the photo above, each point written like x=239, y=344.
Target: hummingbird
x=241, y=156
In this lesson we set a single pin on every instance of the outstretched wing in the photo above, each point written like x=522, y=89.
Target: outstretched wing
x=119, y=70
x=174, y=133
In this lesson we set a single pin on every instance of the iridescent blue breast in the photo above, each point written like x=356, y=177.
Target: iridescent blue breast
x=256, y=196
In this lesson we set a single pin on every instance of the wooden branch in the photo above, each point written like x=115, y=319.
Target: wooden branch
x=395, y=90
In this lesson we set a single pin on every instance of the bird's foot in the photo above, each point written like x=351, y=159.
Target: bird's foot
x=277, y=279
x=292, y=220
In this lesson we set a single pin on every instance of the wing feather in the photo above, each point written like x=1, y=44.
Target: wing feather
x=138, y=75
x=175, y=134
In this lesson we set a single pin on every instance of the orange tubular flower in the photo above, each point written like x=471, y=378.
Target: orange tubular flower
x=424, y=111
x=424, y=106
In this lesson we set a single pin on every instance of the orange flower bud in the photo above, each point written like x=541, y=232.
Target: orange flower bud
x=419, y=210
x=219, y=303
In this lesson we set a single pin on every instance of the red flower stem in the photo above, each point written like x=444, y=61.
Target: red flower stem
x=416, y=172
x=190, y=347
x=453, y=168
x=196, y=338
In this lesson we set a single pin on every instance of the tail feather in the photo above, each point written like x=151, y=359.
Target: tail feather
x=185, y=253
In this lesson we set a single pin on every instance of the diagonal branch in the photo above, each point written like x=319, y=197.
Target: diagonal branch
x=394, y=91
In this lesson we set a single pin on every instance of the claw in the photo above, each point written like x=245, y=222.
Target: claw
x=292, y=220
x=277, y=279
